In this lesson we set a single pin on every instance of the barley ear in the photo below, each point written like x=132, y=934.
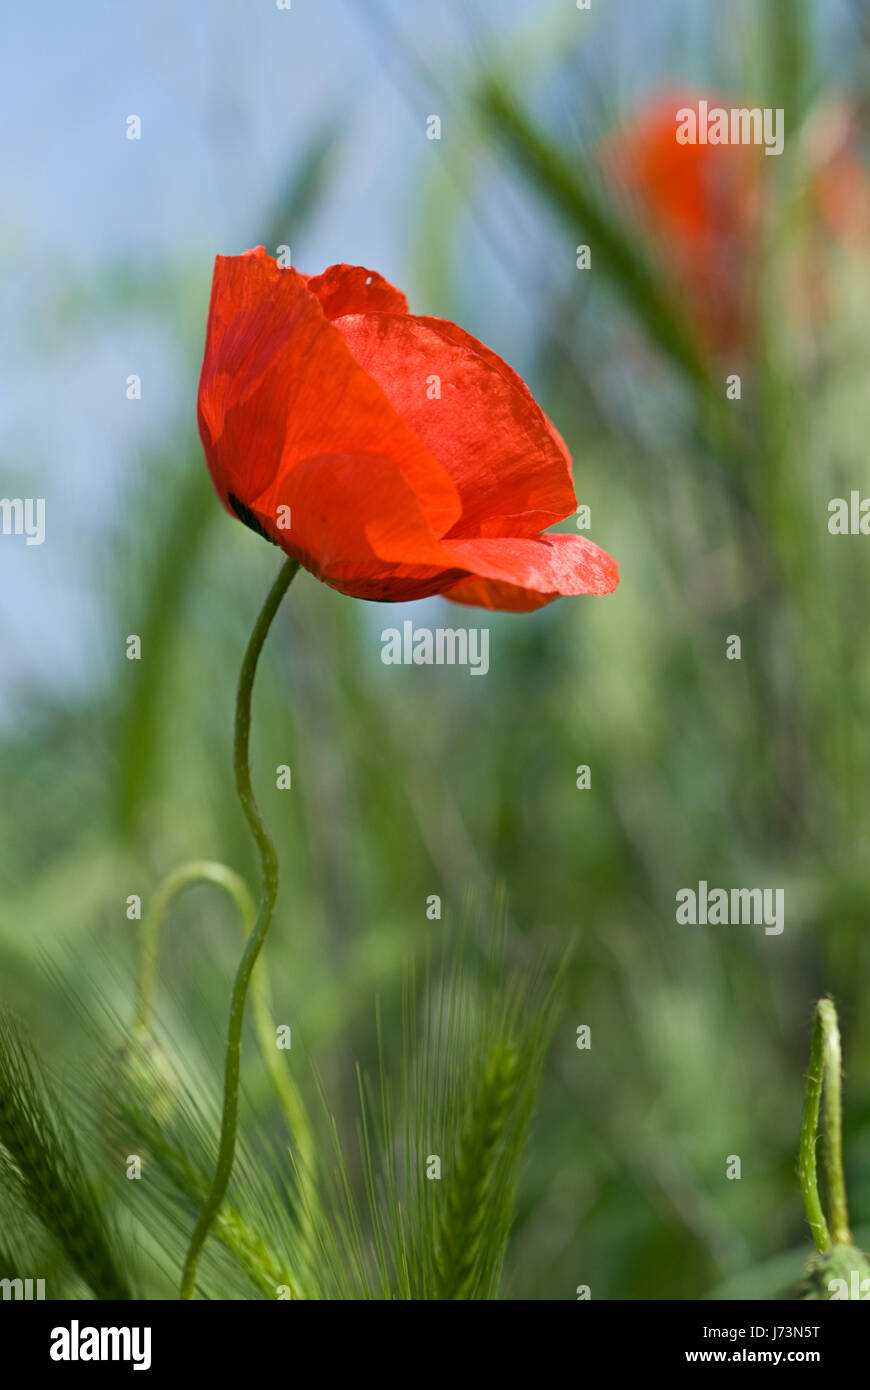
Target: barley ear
x=47, y=1170
x=472, y=1196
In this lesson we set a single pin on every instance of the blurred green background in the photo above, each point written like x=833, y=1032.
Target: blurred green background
x=308, y=128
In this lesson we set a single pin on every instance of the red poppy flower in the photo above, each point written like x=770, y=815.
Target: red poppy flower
x=394, y=456
x=703, y=202
x=706, y=202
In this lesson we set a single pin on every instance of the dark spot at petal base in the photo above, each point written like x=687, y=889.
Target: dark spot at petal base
x=249, y=518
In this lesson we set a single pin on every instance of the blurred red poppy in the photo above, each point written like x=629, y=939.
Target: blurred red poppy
x=706, y=202
x=703, y=201
x=394, y=456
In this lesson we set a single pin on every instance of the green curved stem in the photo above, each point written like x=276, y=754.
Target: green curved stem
x=268, y=894
x=210, y=871
x=197, y=871
x=825, y=1071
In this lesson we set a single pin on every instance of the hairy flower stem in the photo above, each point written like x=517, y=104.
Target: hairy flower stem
x=824, y=1071
x=268, y=894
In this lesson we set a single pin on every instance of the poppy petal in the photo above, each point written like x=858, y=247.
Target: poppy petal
x=352, y=289
x=376, y=544
x=511, y=468
x=545, y=567
x=492, y=593
x=279, y=385
x=462, y=339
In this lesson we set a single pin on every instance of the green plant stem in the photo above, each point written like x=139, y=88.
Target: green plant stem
x=268, y=894
x=265, y=1269
x=825, y=1072
x=209, y=871
x=197, y=871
